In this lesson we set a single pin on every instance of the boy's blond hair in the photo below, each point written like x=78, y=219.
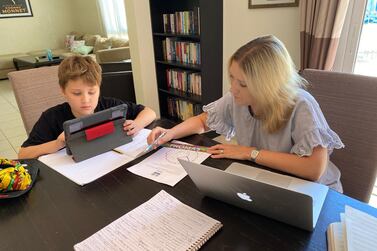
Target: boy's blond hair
x=79, y=67
x=271, y=78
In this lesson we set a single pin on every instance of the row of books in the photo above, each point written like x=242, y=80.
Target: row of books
x=182, y=109
x=190, y=82
x=182, y=22
x=181, y=51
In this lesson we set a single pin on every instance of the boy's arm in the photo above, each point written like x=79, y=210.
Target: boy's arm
x=45, y=148
x=145, y=117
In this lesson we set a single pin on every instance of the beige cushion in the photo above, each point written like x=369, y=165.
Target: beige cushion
x=118, y=42
x=6, y=61
x=90, y=40
x=101, y=44
x=78, y=35
x=36, y=90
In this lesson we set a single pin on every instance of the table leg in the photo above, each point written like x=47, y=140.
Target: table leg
x=15, y=62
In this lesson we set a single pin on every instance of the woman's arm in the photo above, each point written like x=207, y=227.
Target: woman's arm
x=193, y=125
x=45, y=148
x=308, y=167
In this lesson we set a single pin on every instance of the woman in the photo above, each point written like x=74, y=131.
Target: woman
x=276, y=123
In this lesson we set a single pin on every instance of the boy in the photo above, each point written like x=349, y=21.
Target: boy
x=79, y=80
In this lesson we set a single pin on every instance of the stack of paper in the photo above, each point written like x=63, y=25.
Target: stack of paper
x=356, y=231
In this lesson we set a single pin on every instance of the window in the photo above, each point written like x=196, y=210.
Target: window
x=366, y=59
x=357, y=51
x=113, y=14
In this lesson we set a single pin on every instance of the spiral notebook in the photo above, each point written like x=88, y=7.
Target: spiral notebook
x=161, y=223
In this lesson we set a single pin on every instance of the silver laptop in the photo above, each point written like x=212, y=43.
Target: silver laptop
x=284, y=198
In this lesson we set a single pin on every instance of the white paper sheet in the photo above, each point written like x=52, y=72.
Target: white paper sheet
x=163, y=165
x=361, y=230
x=161, y=223
x=91, y=169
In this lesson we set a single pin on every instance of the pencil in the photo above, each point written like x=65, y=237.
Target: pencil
x=186, y=147
x=117, y=151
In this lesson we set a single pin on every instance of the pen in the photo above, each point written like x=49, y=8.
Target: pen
x=150, y=147
x=186, y=147
x=154, y=142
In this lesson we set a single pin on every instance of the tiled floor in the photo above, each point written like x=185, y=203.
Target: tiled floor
x=12, y=132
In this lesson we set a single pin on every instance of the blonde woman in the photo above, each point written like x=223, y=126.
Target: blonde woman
x=276, y=123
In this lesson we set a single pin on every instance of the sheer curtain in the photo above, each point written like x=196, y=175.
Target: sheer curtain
x=113, y=14
x=320, y=27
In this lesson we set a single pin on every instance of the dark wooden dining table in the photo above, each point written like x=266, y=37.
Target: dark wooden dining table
x=57, y=213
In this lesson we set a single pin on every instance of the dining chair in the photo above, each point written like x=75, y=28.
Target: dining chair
x=35, y=90
x=349, y=103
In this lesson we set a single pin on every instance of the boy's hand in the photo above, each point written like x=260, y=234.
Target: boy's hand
x=61, y=140
x=131, y=127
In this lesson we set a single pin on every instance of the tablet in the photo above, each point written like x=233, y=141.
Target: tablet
x=97, y=133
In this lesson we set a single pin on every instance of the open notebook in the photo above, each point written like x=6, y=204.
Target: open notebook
x=161, y=223
x=356, y=231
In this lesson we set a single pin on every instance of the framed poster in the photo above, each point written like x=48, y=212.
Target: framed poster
x=15, y=8
x=255, y=4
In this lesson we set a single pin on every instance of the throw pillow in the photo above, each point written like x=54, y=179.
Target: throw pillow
x=84, y=49
x=102, y=44
x=68, y=41
x=77, y=35
x=77, y=43
x=118, y=42
x=90, y=39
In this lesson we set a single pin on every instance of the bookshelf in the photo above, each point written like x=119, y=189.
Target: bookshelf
x=188, y=51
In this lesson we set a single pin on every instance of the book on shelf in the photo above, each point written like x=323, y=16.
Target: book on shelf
x=176, y=50
x=183, y=80
x=356, y=230
x=182, y=22
x=161, y=223
x=182, y=109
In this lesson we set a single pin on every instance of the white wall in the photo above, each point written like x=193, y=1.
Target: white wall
x=142, y=55
x=51, y=21
x=87, y=17
x=242, y=25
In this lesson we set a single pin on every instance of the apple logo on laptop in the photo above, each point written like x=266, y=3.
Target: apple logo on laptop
x=244, y=196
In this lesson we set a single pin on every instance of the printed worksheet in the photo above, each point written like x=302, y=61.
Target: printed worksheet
x=91, y=169
x=163, y=165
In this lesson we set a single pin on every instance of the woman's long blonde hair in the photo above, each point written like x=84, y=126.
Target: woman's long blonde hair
x=271, y=78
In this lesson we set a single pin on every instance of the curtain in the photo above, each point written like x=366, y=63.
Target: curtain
x=113, y=14
x=321, y=23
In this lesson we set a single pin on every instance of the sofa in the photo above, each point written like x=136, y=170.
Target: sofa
x=103, y=50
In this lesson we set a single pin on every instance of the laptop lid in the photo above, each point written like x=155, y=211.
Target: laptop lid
x=97, y=133
x=287, y=199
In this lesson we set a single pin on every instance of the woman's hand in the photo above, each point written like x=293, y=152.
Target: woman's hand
x=131, y=127
x=157, y=132
x=230, y=151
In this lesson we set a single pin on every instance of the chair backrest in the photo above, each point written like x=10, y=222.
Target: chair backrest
x=349, y=103
x=119, y=84
x=36, y=90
